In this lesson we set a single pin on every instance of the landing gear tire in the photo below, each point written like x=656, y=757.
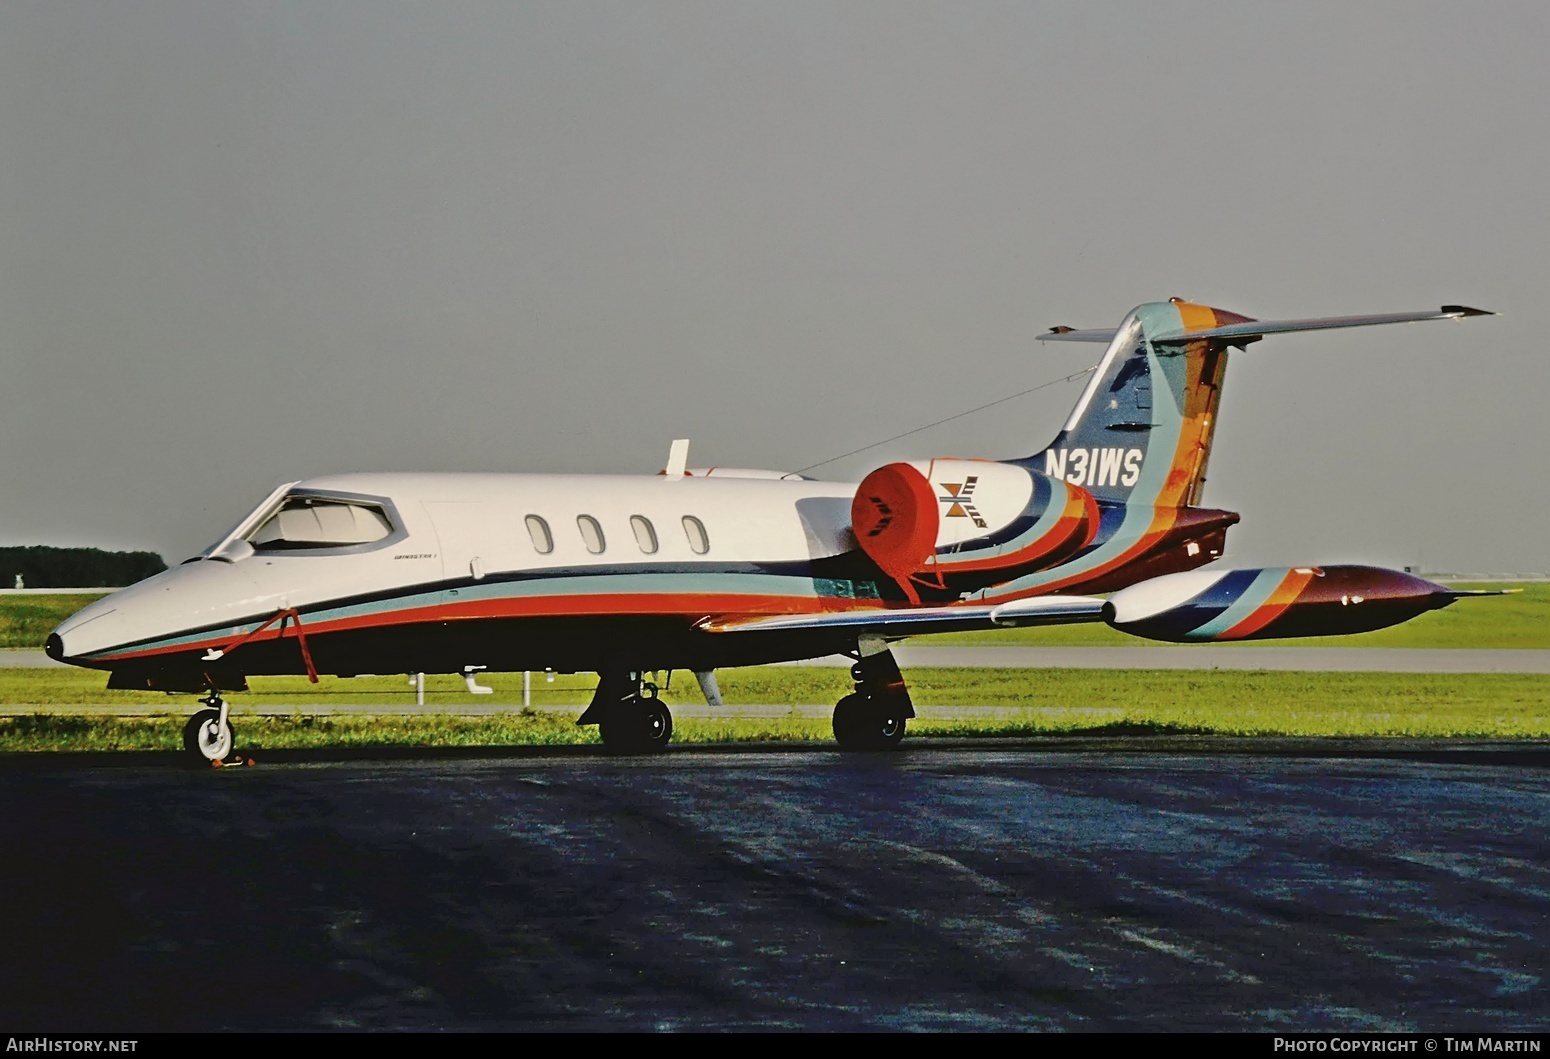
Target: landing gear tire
x=640, y=724
x=863, y=723
x=207, y=739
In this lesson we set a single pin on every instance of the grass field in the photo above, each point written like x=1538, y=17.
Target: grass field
x=1030, y=701
x=1521, y=620
x=26, y=621
x=1225, y=702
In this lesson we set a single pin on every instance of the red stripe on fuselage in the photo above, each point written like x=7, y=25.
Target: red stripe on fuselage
x=687, y=607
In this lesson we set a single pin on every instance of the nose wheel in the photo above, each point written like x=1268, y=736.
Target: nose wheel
x=208, y=736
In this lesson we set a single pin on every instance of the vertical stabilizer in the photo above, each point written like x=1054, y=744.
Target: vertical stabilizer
x=1143, y=427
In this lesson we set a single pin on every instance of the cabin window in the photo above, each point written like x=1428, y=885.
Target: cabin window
x=591, y=534
x=645, y=533
x=314, y=522
x=694, y=529
x=538, y=529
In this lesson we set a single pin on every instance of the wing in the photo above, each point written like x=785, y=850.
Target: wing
x=897, y=624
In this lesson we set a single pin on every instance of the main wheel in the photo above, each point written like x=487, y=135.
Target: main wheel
x=206, y=738
x=656, y=725
x=864, y=723
x=637, y=725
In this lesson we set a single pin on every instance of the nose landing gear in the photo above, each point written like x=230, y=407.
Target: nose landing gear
x=208, y=737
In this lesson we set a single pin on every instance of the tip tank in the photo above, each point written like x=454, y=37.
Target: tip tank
x=1207, y=606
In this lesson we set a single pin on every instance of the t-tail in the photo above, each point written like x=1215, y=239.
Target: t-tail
x=1143, y=428
x=1116, y=497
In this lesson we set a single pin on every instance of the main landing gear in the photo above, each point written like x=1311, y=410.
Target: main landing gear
x=873, y=716
x=208, y=736
x=629, y=716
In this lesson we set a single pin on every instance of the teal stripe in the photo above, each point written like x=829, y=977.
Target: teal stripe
x=1167, y=411
x=231, y=632
x=1253, y=598
x=780, y=585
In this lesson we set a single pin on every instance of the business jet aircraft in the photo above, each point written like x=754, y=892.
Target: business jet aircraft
x=702, y=568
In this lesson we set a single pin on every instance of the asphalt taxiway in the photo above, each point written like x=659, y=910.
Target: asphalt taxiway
x=1303, y=886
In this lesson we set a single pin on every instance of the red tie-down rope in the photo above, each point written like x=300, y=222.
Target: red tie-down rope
x=288, y=614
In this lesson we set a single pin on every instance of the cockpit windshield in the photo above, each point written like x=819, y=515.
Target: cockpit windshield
x=307, y=521
x=320, y=522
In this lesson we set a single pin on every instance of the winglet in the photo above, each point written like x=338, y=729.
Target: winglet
x=1464, y=310
x=1072, y=334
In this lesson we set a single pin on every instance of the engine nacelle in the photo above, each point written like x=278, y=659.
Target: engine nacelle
x=968, y=523
x=1212, y=605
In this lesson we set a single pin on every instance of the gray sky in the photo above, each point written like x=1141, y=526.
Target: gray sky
x=246, y=243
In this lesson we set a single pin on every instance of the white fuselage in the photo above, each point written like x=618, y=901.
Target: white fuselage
x=456, y=538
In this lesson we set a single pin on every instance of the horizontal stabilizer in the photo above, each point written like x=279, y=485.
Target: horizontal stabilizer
x=1256, y=329
x=1259, y=328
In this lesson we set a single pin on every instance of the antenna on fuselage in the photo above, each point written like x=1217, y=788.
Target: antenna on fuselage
x=677, y=458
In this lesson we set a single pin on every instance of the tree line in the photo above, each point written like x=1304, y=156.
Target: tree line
x=40, y=566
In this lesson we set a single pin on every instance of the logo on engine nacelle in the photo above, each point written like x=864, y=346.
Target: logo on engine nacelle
x=1094, y=466
x=886, y=515
x=957, y=499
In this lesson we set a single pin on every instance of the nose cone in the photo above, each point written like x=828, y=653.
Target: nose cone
x=68, y=642
x=153, y=615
